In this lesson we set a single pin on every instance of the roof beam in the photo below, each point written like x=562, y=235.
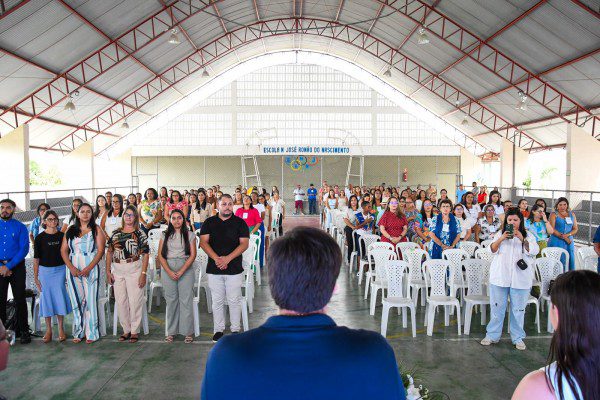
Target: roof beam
x=492, y=37
x=256, y=10
x=7, y=9
x=101, y=33
x=55, y=74
x=587, y=8
x=239, y=37
x=339, y=11
x=491, y=59
x=102, y=60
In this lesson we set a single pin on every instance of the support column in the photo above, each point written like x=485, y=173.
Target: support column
x=582, y=159
x=79, y=174
x=514, y=166
x=14, y=153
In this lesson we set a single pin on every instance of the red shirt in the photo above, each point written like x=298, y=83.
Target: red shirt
x=393, y=226
x=251, y=217
x=482, y=198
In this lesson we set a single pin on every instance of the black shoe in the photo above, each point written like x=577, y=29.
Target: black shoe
x=25, y=338
x=217, y=336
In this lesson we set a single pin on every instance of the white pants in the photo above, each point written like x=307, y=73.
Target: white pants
x=226, y=287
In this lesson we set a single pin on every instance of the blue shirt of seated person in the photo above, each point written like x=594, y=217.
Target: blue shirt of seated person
x=301, y=353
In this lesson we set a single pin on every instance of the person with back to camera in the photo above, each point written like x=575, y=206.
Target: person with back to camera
x=574, y=372
x=511, y=276
x=301, y=353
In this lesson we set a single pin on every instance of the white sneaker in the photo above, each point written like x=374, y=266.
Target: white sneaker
x=520, y=345
x=487, y=341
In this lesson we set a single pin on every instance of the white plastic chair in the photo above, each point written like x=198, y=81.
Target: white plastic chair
x=435, y=272
x=557, y=253
x=370, y=271
x=590, y=263
x=469, y=247
x=475, y=272
x=456, y=256
x=30, y=284
x=248, y=258
x=486, y=243
x=257, y=240
x=396, y=269
x=378, y=278
x=367, y=240
x=103, y=298
x=416, y=281
x=546, y=269
x=583, y=253
x=402, y=247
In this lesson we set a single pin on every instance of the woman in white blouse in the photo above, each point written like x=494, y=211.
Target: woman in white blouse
x=465, y=223
x=511, y=276
x=471, y=208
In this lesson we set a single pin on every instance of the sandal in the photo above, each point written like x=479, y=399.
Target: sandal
x=90, y=341
x=134, y=339
x=47, y=337
x=188, y=339
x=169, y=339
x=124, y=337
x=62, y=338
x=77, y=340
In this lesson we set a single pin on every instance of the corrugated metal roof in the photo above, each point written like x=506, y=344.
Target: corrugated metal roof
x=556, y=32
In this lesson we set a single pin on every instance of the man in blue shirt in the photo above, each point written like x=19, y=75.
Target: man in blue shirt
x=597, y=246
x=14, y=246
x=301, y=353
x=312, y=199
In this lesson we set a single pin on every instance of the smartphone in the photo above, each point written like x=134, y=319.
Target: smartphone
x=511, y=230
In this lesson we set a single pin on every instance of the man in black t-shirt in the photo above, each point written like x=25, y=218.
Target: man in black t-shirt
x=224, y=237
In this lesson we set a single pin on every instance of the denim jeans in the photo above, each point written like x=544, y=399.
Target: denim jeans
x=498, y=301
x=312, y=206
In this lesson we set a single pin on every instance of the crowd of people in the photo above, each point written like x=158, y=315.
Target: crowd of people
x=115, y=232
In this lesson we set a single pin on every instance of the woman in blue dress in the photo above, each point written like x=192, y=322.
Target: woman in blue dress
x=565, y=227
x=444, y=231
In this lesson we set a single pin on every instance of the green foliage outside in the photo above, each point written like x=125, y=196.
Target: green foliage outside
x=39, y=176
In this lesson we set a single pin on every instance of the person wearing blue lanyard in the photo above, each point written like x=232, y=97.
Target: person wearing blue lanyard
x=565, y=227
x=14, y=246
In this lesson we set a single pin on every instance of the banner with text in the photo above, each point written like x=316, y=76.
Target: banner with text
x=304, y=150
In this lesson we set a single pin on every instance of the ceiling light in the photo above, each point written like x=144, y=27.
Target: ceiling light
x=174, y=39
x=205, y=73
x=70, y=106
x=465, y=121
x=422, y=37
x=388, y=73
x=521, y=105
x=125, y=125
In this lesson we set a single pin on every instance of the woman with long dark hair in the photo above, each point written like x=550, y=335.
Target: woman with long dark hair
x=132, y=200
x=112, y=219
x=176, y=202
x=75, y=204
x=565, y=227
x=81, y=250
x=250, y=215
x=538, y=224
x=421, y=197
x=422, y=224
x=176, y=254
x=149, y=211
x=574, y=370
x=511, y=276
x=36, y=225
x=101, y=208
x=496, y=201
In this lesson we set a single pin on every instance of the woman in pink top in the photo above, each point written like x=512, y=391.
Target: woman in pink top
x=250, y=215
x=176, y=202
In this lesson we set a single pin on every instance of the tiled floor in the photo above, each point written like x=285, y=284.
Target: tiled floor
x=456, y=365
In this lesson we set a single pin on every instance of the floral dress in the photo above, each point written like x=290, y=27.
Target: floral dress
x=488, y=230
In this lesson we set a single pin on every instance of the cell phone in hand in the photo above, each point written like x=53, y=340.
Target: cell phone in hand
x=511, y=230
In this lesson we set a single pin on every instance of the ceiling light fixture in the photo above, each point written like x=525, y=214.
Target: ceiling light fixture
x=388, y=73
x=422, y=37
x=70, y=106
x=125, y=125
x=521, y=105
x=205, y=73
x=465, y=120
x=174, y=38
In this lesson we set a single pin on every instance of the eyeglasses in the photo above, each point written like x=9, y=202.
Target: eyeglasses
x=129, y=215
x=51, y=219
x=115, y=201
x=393, y=203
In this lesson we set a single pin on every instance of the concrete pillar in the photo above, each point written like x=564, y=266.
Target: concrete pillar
x=14, y=153
x=514, y=167
x=470, y=167
x=79, y=172
x=115, y=174
x=582, y=158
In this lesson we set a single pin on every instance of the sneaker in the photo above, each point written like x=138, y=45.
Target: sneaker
x=217, y=336
x=487, y=341
x=520, y=345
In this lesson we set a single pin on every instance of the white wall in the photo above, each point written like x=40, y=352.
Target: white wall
x=14, y=153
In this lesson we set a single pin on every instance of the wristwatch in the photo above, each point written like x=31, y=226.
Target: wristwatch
x=144, y=272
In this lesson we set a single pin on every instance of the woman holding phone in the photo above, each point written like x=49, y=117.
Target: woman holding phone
x=511, y=276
